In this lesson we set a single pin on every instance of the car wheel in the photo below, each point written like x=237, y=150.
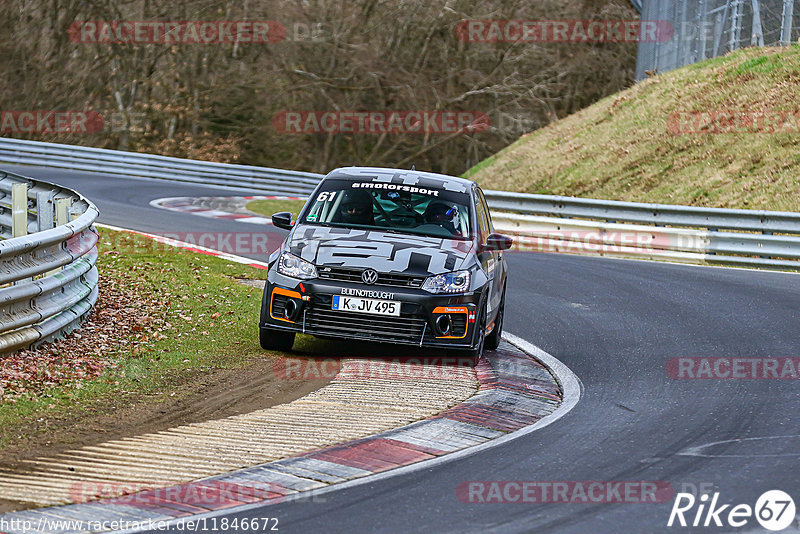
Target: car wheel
x=494, y=337
x=275, y=339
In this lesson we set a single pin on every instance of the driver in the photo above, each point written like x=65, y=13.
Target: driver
x=356, y=208
x=443, y=214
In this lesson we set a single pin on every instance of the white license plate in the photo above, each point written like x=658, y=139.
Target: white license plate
x=371, y=306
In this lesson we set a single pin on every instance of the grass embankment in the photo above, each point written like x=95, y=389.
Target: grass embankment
x=622, y=147
x=268, y=207
x=166, y=318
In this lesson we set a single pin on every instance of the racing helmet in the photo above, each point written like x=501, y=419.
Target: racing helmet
x=356, y=208
x=443, y=214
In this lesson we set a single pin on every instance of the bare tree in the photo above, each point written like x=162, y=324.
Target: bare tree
x=218, y=101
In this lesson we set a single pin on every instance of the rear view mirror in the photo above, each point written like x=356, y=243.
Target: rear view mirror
x=282, y=220
x=498, y=242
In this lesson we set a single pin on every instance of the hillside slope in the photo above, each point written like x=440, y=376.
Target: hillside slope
x=625, y=146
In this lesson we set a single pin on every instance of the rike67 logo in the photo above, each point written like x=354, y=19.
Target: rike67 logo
x=774, y=510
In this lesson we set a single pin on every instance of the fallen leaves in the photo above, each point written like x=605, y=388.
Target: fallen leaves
x=127, y=315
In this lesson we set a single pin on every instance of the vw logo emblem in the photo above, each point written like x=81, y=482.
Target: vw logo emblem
x=369, y=277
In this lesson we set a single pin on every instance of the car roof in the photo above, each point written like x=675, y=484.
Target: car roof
x=402, y=176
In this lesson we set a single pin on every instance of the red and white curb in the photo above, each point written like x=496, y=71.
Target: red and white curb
x=522, y=389
x=225, y=208
x=518, y=394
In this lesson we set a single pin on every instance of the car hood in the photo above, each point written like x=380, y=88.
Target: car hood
x=385, y=252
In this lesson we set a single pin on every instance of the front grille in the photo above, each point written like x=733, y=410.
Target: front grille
x=341, y=274
x=321, y=321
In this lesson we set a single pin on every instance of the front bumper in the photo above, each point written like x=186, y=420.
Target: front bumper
x=306, y=307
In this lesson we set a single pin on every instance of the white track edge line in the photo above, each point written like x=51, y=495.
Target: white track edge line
x=571, y=388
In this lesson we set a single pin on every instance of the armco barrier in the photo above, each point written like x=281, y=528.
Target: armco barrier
x=261, y=179
x=48, y=277
x=713, y=236
x=750, y=238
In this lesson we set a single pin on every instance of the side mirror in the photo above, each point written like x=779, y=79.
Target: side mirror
x=498, y=242
x=282, y=220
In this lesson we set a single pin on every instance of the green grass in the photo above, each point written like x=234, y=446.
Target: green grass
x=622, y=149
x=268, y=207
x=191, y=339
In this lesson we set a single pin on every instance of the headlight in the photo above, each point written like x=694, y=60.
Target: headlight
x=457, y=282
x=294, y=267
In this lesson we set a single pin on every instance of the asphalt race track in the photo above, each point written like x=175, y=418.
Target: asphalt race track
x=615, y=323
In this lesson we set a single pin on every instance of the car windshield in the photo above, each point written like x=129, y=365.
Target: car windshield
x=391, y=207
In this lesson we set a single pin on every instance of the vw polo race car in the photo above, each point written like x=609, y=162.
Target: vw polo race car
x=392, y=256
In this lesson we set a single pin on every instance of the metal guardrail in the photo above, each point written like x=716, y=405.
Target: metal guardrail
x=258, y=179
x=751, y=238
x=714, y=236
x=48, y=278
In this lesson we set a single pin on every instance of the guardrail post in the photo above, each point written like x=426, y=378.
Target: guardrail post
x=19, y=210
x=62, y=210
x=45, y=210
x=45, y=215
x=62, y=217
x=19, y=213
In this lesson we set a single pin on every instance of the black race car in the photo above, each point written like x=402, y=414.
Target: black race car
x=388, y=255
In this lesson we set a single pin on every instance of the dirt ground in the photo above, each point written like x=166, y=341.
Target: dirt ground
x=186, y=398
x=211, y=395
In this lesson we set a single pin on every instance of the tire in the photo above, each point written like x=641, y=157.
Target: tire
x=275, y=339
x=496, y=335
